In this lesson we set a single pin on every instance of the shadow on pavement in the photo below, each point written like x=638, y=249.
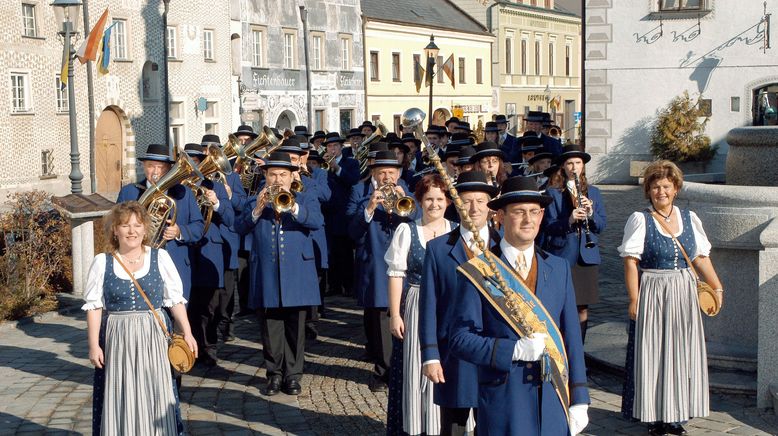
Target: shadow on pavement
x=45, y=364
x=10, y=424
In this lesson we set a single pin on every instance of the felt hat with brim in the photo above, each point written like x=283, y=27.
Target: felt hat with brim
x=536, y=116
x=491, y=126
x=530, y=148
x=465, y=153
x=315, y=156
x=391, y=137
x=377, y=147
x=279, y=159
x=291, y=145
x=354, y=132
x=519, y=190
x=385, y=158
x=570, y=151
x=319, y=134
x=475, y=181
x=333, y=137
x=408, y=137
x=195, y=150
x=451, y=151
x=368, y=124
x=464, y=125
x=435, y=130
x=461, y=139
x=500, y=119
x=548, y=172
x=211, y=139
x=301, y=130
x=398, y=144
x=541, y=153
x=531, y=140
x=486, y=149
x=157, y=153
x=454, y=120
x=246, y=131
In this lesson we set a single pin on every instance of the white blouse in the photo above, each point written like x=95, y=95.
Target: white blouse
x=635, y=234
x=174, y=289
x=396, y=256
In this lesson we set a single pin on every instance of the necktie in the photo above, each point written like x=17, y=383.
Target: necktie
x=521, y=266
x=474, y=247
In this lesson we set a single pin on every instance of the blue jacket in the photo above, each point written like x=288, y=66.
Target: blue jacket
x=560, y=239
x=188, y=219
x=230, y=236
x=208, y=254
x=340, y=187
x=283, y=267
x=512, y=399
x=318, y=182
x=512, y=148
x=371, y=240
x=439, y=284
x=552, y=145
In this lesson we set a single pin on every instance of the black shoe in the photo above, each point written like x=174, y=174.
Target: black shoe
x=229, y=338
x=207, y=360
x=675, y=428
x=273, y=385
x=243, y=313
x=292, y=387
x=657, y=429
x=378, y=386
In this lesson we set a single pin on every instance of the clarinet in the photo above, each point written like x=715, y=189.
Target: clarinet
x=587, y=233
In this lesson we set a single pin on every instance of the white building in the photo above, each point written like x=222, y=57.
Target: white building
x=640, y=55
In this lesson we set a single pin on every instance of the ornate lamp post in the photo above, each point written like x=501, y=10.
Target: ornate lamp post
x=431, y=51
x=67, y=15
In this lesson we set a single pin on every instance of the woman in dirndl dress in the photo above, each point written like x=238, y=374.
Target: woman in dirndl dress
x=134, y=389
x=411, y=410
x=667, y=370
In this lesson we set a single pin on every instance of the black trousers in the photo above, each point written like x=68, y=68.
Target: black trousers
x=201, y=311
x=341, y=262
x=226, y=303
x=453, y=421
x=283, y=341
x=379, y=340
x=244, y=279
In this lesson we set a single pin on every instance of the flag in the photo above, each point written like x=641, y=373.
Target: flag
x=89, y=48
x=418, y=75
x=105, y=52
x=556, y=102
x=63, y=75
x=448, y=68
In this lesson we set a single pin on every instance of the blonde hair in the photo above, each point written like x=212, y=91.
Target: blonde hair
x=121, y=214
x=661, y=169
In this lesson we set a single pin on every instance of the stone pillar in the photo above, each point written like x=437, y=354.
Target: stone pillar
x=767, y=360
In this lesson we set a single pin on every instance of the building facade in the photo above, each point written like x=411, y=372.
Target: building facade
x=640, y=55
x=538, y=60
x=269, y=46
x=395, y=36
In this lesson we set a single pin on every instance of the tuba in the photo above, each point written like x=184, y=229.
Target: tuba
x=160, y=206
x=394, y=203
x=250, y=174
x=214, y=167
x=280, y=199
x=364, y=148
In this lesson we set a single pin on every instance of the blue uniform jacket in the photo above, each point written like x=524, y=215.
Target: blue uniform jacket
x=552, y=145
x=230, y=236
x=318, y=181
x=208, y=254
x=512, y=398
x=371, y=240
x=438, y=285
x=560, y=239
x=340, y=187
x=283, y=268
x=188, y=219
x=512, y=148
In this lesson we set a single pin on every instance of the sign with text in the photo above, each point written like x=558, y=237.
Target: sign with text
x=263, y=79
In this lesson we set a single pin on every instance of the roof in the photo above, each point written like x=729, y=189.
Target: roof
x=558, y=9
x=440, y=14
x=568, y=6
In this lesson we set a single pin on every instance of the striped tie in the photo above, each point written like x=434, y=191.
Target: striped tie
x=521, y=266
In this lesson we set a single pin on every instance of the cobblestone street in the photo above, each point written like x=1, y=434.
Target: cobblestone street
x=45, y=377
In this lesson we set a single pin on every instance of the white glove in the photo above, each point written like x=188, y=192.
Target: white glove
x=530, y=348
x=579, y=418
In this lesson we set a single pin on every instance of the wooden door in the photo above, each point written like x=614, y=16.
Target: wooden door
x=108, y=152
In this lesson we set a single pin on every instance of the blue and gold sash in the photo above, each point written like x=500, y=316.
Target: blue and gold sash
x=525, y=314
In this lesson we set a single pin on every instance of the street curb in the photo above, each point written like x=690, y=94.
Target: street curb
x=67, y=305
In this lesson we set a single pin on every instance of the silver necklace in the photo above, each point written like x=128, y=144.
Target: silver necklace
x=132, y=261
x=667, y=217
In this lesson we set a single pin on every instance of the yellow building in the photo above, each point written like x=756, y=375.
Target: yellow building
x=396, y=33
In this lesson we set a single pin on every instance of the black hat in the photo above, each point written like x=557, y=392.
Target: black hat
x=570, y=151
x=333, y=137
x=391, y=137
x=546, y=116
x=399, y=144
x=491, y=126
x=534, y=116
x=408, y=137
x=315, y=156
x=530, y=139
x=451, y=151
x=291, y=145
x=486, y=149
x=377, y=147
x=530, y=148
x=246, y=130
x=551, y=170
x=454, y=120
x=464, y=155
x=211, y=139
x=386, y=158
x=277, y=133
x=301, y=130
x=437, y=130
x=464, y=125
x=461, y=139
x=500, y=119
x=540, y=153
x=519, y=190
x=475, y=181
x=354, y=132
x=368, y=124
x=304, y=144
x=279, y=159
x=318, y=135
x=195, y=150
x=158, y=153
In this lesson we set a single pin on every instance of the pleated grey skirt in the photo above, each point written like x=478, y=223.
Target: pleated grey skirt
x=139, y=396
x=671, y=368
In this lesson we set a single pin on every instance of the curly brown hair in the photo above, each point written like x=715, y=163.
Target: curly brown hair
x=428, y=182
x=661, y=169
x=121, y=214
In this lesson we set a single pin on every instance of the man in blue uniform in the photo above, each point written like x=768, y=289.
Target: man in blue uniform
x=514, y=398
x=508, y=143
x=534, y=123
x=283, y=273
x=456, y=382
x=188, y=226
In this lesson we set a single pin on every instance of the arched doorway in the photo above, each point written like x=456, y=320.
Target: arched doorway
x=109, y=143
x=287, y=120
x=765, y=105
x=440, y=117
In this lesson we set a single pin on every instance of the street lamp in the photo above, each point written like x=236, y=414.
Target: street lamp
x=304, y=19
x=431, y=51
x=66, y=13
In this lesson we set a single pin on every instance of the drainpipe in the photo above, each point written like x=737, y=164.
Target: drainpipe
x=90, y=90
x=165, y=78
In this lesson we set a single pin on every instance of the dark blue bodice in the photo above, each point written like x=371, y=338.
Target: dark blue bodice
x=121, y=295
x=660, y=252
x=415, y=258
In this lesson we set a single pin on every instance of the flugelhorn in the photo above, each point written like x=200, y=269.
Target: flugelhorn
x=394, y=203
x=280, y=199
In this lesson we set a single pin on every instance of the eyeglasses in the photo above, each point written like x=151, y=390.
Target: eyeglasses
x=532, y=213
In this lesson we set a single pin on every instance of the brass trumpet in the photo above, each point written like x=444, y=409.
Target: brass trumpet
x=326, y=164
x=394, y=203
x=280, y=199
x=297, y=186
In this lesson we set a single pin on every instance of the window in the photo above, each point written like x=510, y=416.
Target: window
x=119, y=35
x=289, y=49
x=551, y=58
x=150, y=82
x=319, y=118
x=316, y=50
x=62, y=96
x=680, y=5
x=47, y=163
x=20, y=93
x=461, y=70
x=176, y=110
x=509, y=55
x=28, y=20
x=734, y=104
x=567, y=59
x=345, y=53
x=396, y=67
x=479, y=71
x=523, y=57
x=172, y=42
x=437, y=66
x=374, y=66
x=211, y=128
x=510, y=109
x=346, y=115
x=706, y=106
x=177, y=135
x=257, y=47
x=537, y=57
x=211, y=109
x=208, y=45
